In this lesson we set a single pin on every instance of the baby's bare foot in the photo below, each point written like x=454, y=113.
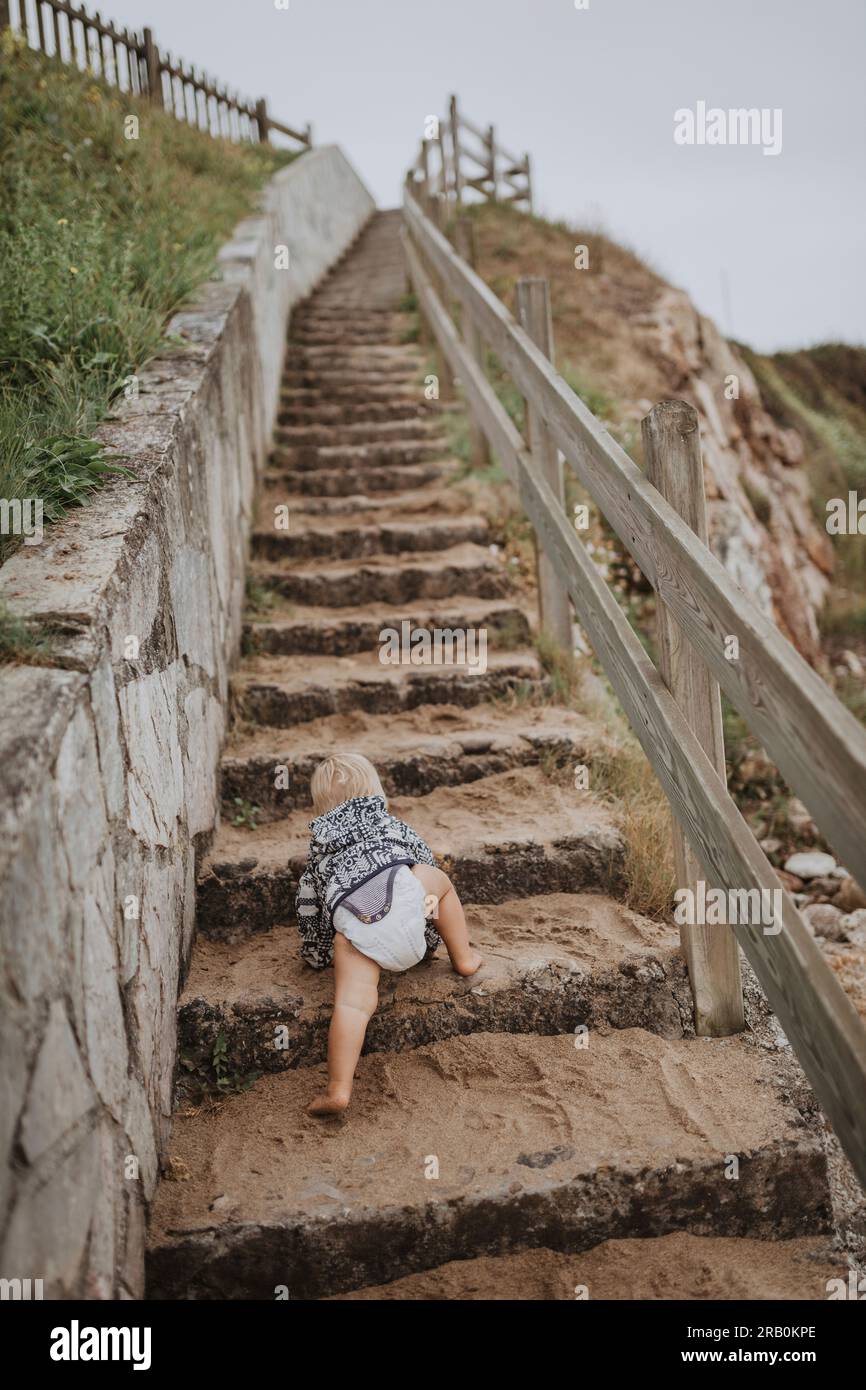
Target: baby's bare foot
x=332, y=1102
x=468, y=964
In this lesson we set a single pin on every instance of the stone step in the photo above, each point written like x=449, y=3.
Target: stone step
x=358, y=458
x=374, y=279
x=379, y=357
x=353, y=418
x=313, y=311
x=407, y=405
x=344, y=482
x=343, y=632
x=415, y=425
x=307, y=540
x=483, y=1145
x=303, y=510
x=282, y=691
x=357, y=384
x=310, y=314
x=449, y=502
x=341, y=336
x=442, y=746
x=461, y=569
x=357, y=288
x=480, y=833
x=679, y=1266
x=382, y=258
x=353, y=392
x=354, y=303
x=552, y=963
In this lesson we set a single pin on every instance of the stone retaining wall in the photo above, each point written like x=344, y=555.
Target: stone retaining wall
x=109, y=753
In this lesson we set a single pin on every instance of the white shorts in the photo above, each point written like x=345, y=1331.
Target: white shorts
x=397, y=940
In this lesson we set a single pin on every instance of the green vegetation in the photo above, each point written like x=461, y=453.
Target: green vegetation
x=821, y=392
x=260, y=599
x=509, y=395
x=619, y=775
x=22, y=642
x=246, y=816
x=596, y=400
x=204, y=1078
x=102, y=238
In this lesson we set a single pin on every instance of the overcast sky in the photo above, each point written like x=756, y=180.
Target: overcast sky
x=592, y=94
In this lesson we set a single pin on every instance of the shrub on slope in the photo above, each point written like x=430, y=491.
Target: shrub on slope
x=102, y=238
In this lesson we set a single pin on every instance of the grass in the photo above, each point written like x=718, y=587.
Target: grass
x=206, y=1076
x=260, y=599
x=619, y=769
x=821, y=392
x=597, y=400
x=845, y=616
x=22, y=643
x=620, y=776
x=852, y=693
x=102, y=238
x=246, y=816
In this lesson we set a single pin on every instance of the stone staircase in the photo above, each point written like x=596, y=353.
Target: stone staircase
x=550, y=1123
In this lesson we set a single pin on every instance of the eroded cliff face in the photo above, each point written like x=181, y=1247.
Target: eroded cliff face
x=762, y=526
x=626, y=339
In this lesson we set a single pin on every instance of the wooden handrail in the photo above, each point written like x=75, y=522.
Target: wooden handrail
x=304, y=136
x=818, y=1017
x=814, y=740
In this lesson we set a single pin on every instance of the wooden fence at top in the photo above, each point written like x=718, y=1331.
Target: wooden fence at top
x=447, y=165
x=133, y=63
x=815, y=742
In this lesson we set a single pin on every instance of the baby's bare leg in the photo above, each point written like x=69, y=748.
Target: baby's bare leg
x=449, y=917
x=356, y=994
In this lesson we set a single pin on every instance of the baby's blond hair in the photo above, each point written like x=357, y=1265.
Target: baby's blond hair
x=343, y=776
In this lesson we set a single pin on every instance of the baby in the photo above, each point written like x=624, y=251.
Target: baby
x=363, y=902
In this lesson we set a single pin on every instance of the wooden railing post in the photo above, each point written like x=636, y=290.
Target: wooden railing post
x=425, y=165
x=262, y=120
x=464, y=241
x=436, y=210
x=491, y=145
x=533, y=311
x=672, y=449
x=151, y=64
x=443, y=164
x=455, y=148
x=529, y=183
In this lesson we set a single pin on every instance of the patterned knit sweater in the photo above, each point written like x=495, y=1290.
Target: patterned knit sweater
x=348, y=846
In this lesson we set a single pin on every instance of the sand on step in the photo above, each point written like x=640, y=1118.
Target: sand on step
x=491, y=813
x=487, y=1106
x=677, y=1266
x=551, y=964
x=483, y=1145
